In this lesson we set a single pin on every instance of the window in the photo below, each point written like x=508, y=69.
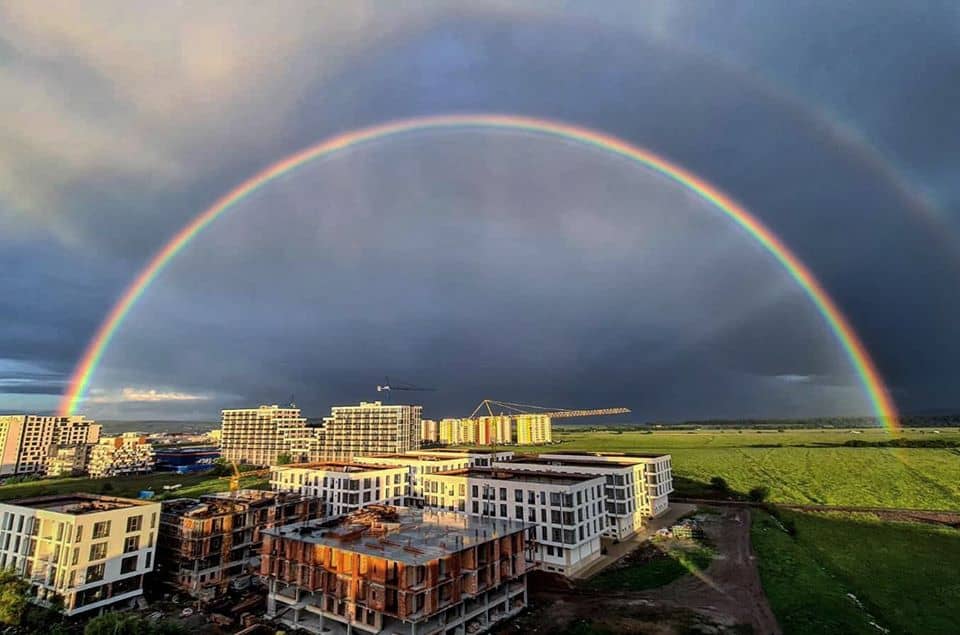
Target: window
x=579, y=498
x=555, y=499
x=101, y=529
x=463, y=489
x=503, y=494
x=128, y=565
x=532, y=514
x=79, y=533
x=555, y=534
x=549, y=550
x=475, y=492
x=132, y=543
x=147, y=561
x=476, y=507
x=94, y=573
x=531, y=497
x=503, y=510
x=518, y=512
x=543, y=515
x=555, y=516
x=98, y=551
x=567, y=518
x=134, y=523
x=568, y=536
x=518, y=495
x=76, y=555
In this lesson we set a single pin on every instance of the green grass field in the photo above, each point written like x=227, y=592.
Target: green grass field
x=905, y=577
x=798, y=466
x=191, y=485
x=654, y=567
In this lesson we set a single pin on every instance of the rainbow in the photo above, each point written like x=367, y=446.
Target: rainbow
x=871, y=380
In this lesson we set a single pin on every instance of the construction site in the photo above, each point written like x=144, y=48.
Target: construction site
x=396, y=570
x=206, y=545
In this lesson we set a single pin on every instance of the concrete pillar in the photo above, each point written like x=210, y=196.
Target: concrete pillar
x=271, y=601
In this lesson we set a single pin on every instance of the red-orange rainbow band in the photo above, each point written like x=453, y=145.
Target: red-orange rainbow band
x=879, y=397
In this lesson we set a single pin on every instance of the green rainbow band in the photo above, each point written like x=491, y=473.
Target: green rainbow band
x=879, y=397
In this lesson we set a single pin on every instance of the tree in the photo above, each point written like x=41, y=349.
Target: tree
x=719, y=484
x=284, y=459
x=758, y=494
x=13, y=597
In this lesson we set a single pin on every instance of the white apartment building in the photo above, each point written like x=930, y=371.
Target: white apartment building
x=257, y=436
x=418, y=464
x=534, y=429
x=636, y=486
x=478, y=457
x=89, y=551
x=128, y=453
x=371, y=428
x=344, y=487
x=568, y=509
x=26, y=440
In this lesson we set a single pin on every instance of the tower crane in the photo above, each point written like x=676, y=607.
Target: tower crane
x=512, y=409
x=388, y=387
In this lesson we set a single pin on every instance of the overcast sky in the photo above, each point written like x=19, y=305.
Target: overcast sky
x=481, y=263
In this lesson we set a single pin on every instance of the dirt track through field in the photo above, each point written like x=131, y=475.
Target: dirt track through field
x=730, y=586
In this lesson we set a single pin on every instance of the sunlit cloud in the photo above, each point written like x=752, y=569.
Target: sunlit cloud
x=142, y=395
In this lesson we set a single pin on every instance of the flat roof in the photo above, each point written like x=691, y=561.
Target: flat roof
x=534, y=459
x=78, y=504
x=415, y=456
x=467, y=450
x=220, y=503
x=334, y=466
x=530, y=476
x=404, y=534
x=611, y=455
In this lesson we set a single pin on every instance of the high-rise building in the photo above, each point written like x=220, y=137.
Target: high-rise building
x=28, y=440
x=87, y=551
x=257, y=436
x=429, y=431
x=371, y=428
x=495, y=430
x=534, y=430
x=129, y=453
x=449, y=431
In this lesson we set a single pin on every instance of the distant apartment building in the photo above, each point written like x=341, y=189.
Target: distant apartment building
x=128, y=453
x=495, y=430
x=27, y=441
x=257, y=436
x=417, y=464
x=343, y=486
x=396, y=571
x=534, y=429
x=68, y=460
x=429, y=431
x=568, y=509
x=208, y=543
x=371, y=428
x=636, y=486
x=88, y=551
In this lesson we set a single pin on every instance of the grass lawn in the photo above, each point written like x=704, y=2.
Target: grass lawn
x=798, y=466
x=653, y=566
x=904, y=576
x=191, y=485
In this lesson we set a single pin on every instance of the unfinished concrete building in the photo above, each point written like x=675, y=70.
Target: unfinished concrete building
x=207, y=543
x=396, y=570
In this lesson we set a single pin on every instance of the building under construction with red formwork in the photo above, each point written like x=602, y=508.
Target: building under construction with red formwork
x=396, y=570
x=206, y=543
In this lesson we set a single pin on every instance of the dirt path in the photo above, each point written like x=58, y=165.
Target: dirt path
x=727, y=594
x=730, y=586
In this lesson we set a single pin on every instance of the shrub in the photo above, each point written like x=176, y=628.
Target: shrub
x=758, y=494
x=719, y=484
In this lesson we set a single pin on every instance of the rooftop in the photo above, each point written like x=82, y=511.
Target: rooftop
x=527, y=476
x=404, y=534
x=220, y=503
x=610, y=455
x=77, y=504
x=534, y=459
x=333, y=466
x=417, y=455
x=463, y=451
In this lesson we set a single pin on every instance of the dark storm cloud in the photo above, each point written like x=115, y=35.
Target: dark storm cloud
x=649, y=80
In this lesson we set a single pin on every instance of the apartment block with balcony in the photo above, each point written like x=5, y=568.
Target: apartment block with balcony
x=207, y=543
x=637, y=485
x=534, y=429
x=88, y=551
x=371, y=428
x=396, y=571
x=128, y=453
x=343, y=487
x=567, y=509
x=27, y=441
x=257, y=436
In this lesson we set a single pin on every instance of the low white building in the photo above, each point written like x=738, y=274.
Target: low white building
x=568, y=509
x=418, y=464
x=344, y=487
x=637, y=486
x=89, y=551
x=478, y=457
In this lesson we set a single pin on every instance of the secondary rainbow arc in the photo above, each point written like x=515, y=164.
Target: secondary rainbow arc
x=878, y=395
